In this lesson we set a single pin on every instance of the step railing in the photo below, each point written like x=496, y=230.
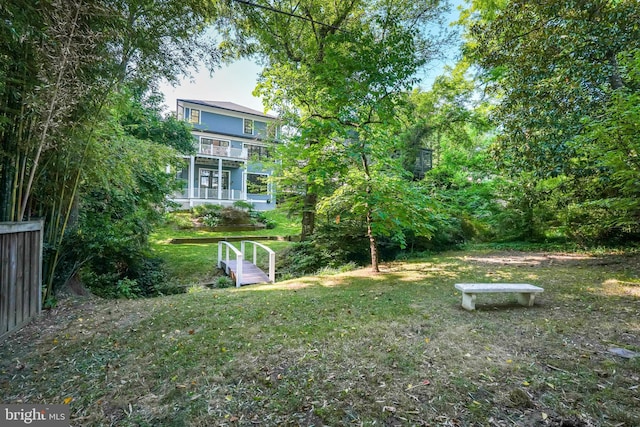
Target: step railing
x=271, y=254
x=226, y=246
x=226, y=251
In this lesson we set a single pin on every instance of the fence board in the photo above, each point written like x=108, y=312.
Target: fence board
x=20, y=283
x=13, y=243
x=4, y=284
x=20, y=274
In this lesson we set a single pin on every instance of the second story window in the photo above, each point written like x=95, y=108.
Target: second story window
x=257, y=152
x=195, y=116
x=248, y=126
x=272, y=131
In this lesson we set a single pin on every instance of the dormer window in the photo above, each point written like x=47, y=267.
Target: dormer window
x=248, y=126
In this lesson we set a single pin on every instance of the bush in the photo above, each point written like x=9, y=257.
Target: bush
x=345, y=242
x=234, y=216
x=241, y=213
x=331, y=247
x=223, y=282
x=127, y=288
x=260, y=218
x=241, y=204
x=129, y=278
x=102, y=284
x=302, y=258
x=152, y=277
x=180, y=220
x=206, y=209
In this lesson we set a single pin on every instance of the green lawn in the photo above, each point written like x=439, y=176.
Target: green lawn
x=352, y=349
x=195, y=263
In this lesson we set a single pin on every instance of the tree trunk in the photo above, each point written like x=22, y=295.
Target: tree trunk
x=373, y=244
x=615, y=80
x=308, y=214
x=7, y=183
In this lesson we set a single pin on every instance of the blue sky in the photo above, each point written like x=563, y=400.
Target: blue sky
x=235, y=82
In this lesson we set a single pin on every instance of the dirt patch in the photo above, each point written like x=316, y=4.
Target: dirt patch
x=548, y=259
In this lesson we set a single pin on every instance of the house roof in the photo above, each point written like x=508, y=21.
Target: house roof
x=230, y=106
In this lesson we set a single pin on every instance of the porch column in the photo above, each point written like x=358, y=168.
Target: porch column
x=192, y=177
x=219, y=178
x=245, y=196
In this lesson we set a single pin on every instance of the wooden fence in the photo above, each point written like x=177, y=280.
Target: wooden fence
x=20, y=274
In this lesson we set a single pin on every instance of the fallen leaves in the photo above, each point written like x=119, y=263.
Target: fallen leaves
x=423, y=383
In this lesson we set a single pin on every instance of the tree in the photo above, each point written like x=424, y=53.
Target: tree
x=61, y=63
x=377, y=189
x=120, y=201
x=452, y=120
x=556, y=69
x=331, y=65
x=338, y=69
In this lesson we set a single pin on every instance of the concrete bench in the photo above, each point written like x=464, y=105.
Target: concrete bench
x=526, y=293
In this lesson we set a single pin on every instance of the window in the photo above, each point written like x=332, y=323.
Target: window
x=195, y=116
x=248, y=126
x=272, y=131
x=180, y=112
x=257, y=183
x=208, y=179
x=257, y=152
x=423, y=164
x=181, y=173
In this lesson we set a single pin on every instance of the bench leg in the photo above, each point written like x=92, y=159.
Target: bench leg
x=468, y=301
x=526, y=299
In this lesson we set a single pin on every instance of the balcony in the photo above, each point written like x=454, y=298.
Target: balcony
x=228, y=152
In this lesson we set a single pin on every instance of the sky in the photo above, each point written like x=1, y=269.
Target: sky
x=231, y=83
x=235, y=82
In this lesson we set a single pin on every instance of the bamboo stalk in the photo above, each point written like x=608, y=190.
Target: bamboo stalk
x=47, y=123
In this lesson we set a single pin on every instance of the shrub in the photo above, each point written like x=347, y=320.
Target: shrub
x=260, y=218
x=223, y=282
x=302, y=258
x=234, y=216
x=152, y=277
x=102, y=284
x=128, y=277
x=127, y=288
x=241, y=213
x=241, y=204
x=179, y=220
x=206, y=209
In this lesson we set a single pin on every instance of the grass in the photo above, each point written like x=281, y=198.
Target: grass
x=350, y=349
x=196, y=262
x=178, y=225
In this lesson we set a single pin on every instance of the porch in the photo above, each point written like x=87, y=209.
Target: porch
x=222, y=181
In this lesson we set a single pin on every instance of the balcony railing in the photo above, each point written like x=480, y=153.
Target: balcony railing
x=233, y=153
x=210, y=194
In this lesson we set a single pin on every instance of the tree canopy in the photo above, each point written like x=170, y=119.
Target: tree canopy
x=63, y=65
x=338, y=70
x=564, y=76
